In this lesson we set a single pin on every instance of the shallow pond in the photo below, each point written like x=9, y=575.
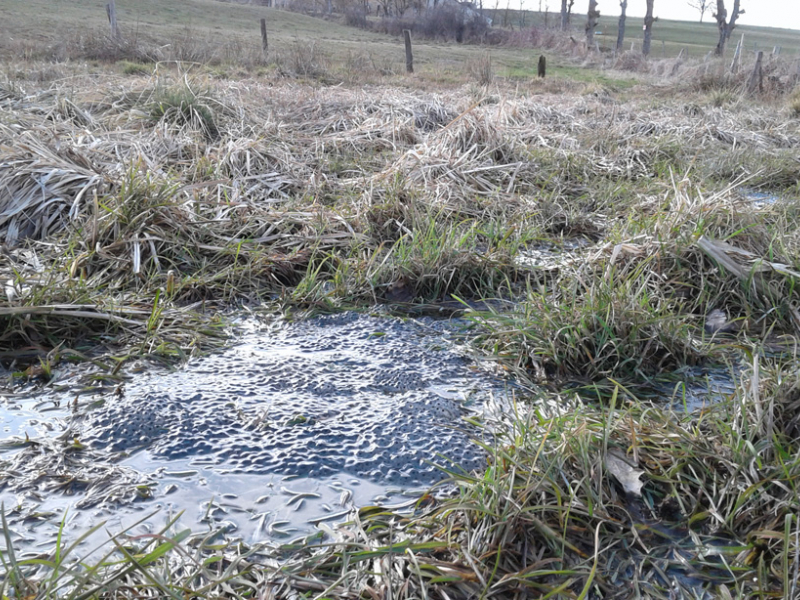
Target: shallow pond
x=291, y=425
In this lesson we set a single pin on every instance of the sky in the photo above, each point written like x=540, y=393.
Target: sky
x=765, y=13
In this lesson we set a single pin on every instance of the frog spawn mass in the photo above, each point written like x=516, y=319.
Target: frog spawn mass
x=372, y=397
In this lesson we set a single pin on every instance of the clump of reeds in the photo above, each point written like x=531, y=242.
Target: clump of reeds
x=480, y=69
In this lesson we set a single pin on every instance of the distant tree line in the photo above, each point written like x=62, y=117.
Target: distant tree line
x=724, y=24
x=464, y=21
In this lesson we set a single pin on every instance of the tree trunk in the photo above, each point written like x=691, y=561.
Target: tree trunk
x=722, y=24
x=591, y=22
x=648, y=28
x=734, y=17
x=621, y=31
x=111, y=10
x=563, y=15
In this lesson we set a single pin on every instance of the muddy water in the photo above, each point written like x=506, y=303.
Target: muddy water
x=293, y=424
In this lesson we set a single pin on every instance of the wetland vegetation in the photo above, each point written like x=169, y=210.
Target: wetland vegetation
x=599, y=233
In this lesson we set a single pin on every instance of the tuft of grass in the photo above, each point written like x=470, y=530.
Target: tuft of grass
x=184, y=106
x=134, y=68
x=480, y=69
x=721, y=97
x=304, y=59
x=794, y=103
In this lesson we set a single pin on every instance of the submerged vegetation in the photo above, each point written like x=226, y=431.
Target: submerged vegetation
x=587, y=234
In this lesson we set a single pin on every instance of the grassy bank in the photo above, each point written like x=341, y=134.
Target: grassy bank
x=149, y=198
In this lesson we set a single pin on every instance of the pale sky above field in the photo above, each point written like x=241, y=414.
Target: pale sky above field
x=765, y=13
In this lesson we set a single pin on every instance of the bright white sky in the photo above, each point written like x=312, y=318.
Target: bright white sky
x=766, y=13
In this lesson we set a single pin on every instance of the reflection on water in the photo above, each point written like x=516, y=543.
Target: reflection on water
x=693, y=388
x=758, y=198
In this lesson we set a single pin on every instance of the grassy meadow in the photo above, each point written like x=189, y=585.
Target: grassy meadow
x=634, y=229
x=209, y=30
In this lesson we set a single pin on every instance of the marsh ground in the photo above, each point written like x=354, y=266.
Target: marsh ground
x=613, y=214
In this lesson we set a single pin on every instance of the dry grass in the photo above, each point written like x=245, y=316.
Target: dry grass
x=481, y=69
x=135, y=203
x=238, y=189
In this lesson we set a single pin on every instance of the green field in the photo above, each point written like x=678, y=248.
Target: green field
x=45, y=22
x=669, y=37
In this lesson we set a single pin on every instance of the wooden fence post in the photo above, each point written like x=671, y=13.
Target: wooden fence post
x=796, y=77
x=264, y=41
x=678, y=62
x=757, y=76
x=409, y=56
x=542, y=66
x=736, y=55
x=111, y=11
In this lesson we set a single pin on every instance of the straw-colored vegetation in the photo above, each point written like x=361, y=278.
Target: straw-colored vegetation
x=139, y=197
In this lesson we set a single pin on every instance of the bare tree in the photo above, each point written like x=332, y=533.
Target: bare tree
x=566, y=13
x=701, y=6
x=591, y=22
x=401, y=6
x=621, y=30
x=648, y=28
x=385, y=7
x=724, y=25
